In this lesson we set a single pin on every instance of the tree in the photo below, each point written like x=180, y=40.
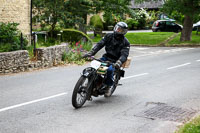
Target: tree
x=189, y=8
x=69, y=13
x=49, y=12
x=78, y=11
x=73, y=13
x=114, y=11
x=117, y=7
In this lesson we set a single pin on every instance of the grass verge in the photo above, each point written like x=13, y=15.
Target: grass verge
x=146, y=38
x=150, y=39
x=95, y=39
x=156, y=39
x=195, y=41
x=191, y=127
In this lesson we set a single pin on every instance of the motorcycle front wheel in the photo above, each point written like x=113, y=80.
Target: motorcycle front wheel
x=80, y=92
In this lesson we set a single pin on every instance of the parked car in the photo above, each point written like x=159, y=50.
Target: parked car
x=166, y=26
x=196, y=26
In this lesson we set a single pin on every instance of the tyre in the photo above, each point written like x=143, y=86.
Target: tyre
x=116, y=80
x=80, y=92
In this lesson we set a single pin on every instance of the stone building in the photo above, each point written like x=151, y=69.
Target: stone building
x=17, y=11
x=147, y=5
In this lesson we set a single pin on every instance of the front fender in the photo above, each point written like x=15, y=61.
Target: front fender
x=87, y=72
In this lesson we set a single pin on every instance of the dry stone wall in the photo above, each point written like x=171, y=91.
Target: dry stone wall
x=50, y=56
x=13, y=62
x=19, y=61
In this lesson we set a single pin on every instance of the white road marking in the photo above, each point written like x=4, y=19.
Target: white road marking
x=179, y=66
x=197, y=60
x=142, y=55
x=163, y=52
x=31, y=102
x=141, y=48
x=54, y=96
x=138, y=75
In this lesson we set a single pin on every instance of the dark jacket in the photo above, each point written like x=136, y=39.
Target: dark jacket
x=116, y=49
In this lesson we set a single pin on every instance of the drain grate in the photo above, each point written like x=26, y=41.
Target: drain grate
x=169, y=113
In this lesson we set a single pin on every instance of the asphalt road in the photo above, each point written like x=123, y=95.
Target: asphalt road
x=159, y=92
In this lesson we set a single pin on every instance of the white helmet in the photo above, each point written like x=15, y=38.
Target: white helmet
x=121, y=28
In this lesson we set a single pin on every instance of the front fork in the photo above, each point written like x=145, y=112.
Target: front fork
x=89, y=73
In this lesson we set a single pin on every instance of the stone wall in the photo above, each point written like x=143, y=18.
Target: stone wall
x=13, y=62
x=17, y=11
x=50, y=56
x=18, y=61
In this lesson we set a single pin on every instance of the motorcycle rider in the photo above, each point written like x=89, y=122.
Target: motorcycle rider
x=117, y=49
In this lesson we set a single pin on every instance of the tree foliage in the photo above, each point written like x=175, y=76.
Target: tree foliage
x=189, y=8
x=68, y=13
x=49, y=12
x=114, y=11
x=78, y=11
x=73, y=13
x=116, y=7
x=96, y=22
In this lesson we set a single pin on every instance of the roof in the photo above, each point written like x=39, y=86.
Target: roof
x=150, y=5
x=172, y=20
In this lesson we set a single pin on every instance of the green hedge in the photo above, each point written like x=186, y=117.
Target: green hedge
x=96, y=22
x=72, y=35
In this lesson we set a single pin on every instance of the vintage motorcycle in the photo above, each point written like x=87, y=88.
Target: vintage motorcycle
x=91, y=82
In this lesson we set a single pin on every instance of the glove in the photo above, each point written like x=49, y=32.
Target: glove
x=89, y=54
x=118, y=64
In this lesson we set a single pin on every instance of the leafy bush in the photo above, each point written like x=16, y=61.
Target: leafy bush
x=73, y=36
x=81, y=46
x=132, y=24
x=109, y=19
x=73, y=57
x=96, y=22
x=177, y=16
x=10, y=37
x=152, y=17
x=87, y=46
x=64, y=56
x=140, y=16
x=141, y=21
x=30, y=49
x=50, y=42
x=75, y=53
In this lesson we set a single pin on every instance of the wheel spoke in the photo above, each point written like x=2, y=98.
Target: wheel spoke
x=81, y=95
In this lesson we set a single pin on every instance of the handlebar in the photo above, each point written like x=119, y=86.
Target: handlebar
x=108, y=62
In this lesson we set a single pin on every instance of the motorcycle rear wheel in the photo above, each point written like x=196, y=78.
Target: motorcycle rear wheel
x=80, y=92
x=116, y=80
x=114, y=86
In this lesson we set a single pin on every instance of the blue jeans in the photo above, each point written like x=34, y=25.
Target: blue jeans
x=110, y=73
